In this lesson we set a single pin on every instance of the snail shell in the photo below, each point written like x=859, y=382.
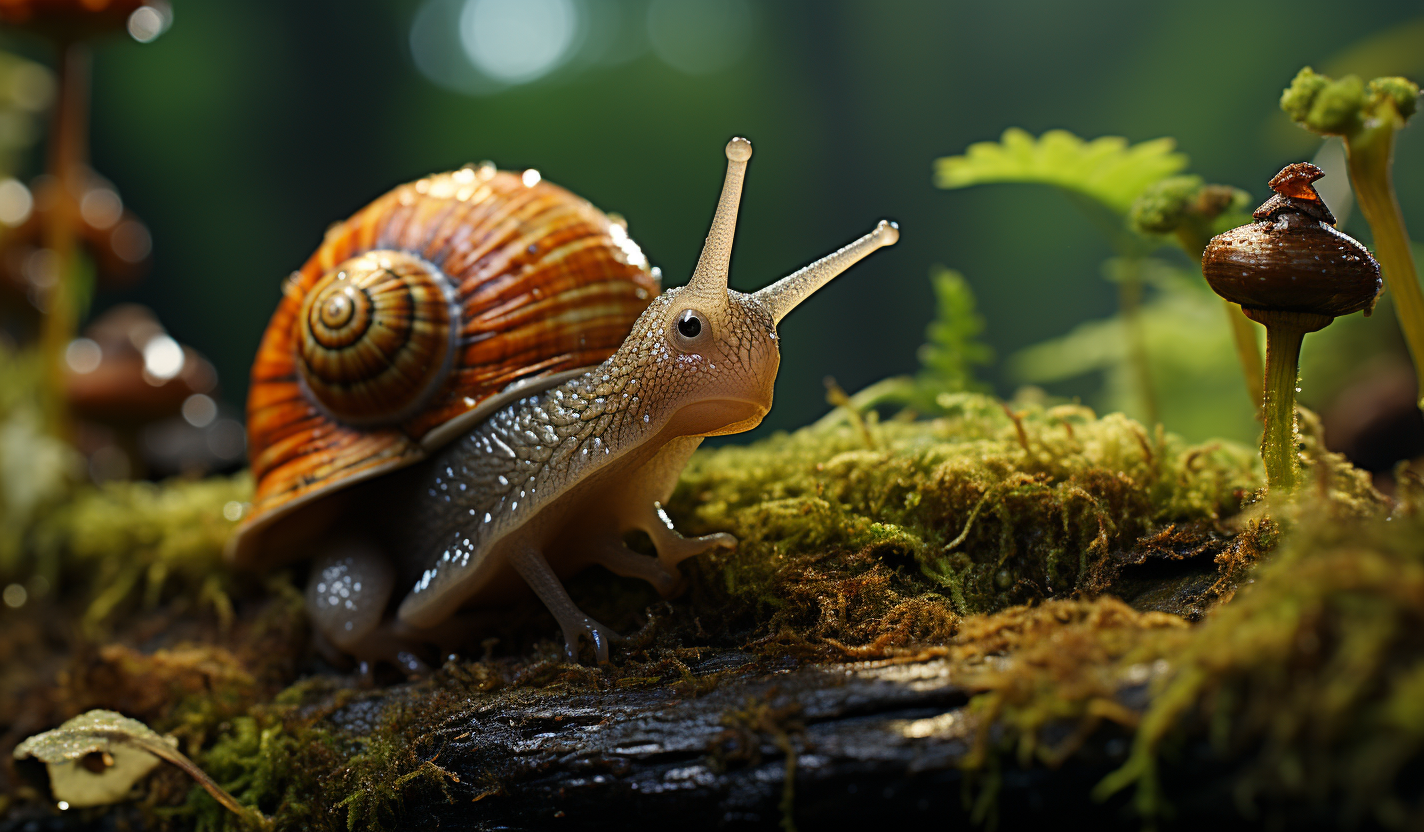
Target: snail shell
x=413, y=318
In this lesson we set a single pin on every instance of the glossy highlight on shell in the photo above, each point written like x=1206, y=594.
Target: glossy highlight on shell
x=488, y=277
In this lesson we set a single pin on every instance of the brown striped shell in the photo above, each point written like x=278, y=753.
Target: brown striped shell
x=403, y=328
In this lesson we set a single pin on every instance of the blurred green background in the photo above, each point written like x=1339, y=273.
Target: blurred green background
x=249, y=126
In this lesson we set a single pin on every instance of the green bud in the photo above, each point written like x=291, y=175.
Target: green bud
x=1341, y=108
x=1301, y=94
x=1165, y=205
x=1401, y=92
x=1215, y=200
x=1336, y=110
x=1323, y=105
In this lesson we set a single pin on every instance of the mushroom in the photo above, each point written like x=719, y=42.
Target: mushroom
x=127, y=372
x=1293, y=273
x=68, y=24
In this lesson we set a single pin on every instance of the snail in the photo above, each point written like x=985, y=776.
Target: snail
x=521, y=471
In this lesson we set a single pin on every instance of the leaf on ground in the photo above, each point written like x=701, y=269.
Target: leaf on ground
x=95, y=758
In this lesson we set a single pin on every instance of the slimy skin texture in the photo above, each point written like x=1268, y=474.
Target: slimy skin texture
x=549, y=484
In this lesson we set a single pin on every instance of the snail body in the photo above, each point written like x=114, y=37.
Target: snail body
x=546, y=481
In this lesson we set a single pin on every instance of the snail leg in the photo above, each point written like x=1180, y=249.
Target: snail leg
x=530, y=564
x=620, y=560
x=672, y=547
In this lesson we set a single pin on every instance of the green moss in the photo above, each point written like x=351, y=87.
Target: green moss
x=983, y=532
x=973, y=512
x=135, y=541
x=1315, y=671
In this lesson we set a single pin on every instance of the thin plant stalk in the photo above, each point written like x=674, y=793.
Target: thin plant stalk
x=68, y=149
x=1243, y=332
x=221, y=795
x=1370, y=153
x=1130, y=303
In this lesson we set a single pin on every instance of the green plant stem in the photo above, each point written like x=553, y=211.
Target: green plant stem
x=1370, y=152
x=1129, y=304
x=221, y=795
x=1284, y=333
x=1248, y=351
x=1243, y=333
x=67, y=152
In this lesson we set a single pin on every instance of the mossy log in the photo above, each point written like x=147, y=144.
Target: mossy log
x=1000, y=612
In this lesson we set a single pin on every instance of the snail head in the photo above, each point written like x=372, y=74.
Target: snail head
x=710, y=351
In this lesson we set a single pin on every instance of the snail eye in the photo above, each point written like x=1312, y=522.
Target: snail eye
x=690, y=331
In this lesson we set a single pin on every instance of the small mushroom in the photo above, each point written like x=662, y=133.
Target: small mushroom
x=115, y=238
x=127, y=373
x=1293, y=273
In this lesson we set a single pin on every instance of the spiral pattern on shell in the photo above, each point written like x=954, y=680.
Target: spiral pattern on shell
x=376, y=337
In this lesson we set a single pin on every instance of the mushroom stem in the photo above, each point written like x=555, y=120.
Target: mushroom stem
x=1370, y=153
x=1284, y=333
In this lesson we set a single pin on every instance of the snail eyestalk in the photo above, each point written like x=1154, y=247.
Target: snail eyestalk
x=782, y=296
x=1293, y=273
x=710, y=275
x=1367, y=116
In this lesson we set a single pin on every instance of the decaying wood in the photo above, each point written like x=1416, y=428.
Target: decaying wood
x=868, y=743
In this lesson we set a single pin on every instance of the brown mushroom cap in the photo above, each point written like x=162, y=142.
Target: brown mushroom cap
x=1292, y=263
x=117, y=389
x=1292, y=259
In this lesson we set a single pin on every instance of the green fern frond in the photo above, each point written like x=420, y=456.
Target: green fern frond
x=952, y=348
x=1107, y=169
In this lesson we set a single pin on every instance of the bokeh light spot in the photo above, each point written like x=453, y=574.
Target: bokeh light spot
x=162, y=357
x=83, y=355
x=199, y=410
x=101, y=207
x=131, y=241
x=15, y=596
x=16, y=203
x=516, y=41
x=148, y=22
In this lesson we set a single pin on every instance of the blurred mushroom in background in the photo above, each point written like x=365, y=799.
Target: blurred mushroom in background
x=71, y=204
x=116, y=240
x=144, y=404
